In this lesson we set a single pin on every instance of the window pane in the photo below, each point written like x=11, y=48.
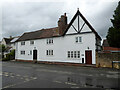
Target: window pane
x=46, y=52
x=71, y=54
x=68, y=54
x=51, y=52
x=30, y=52
x=22, y=52
x=80, y=40
x=76, y=39
x=22, y=43
x=74, y=54
x=31, y=42
x=51, y=40
x=78, y=54
x=47, y=41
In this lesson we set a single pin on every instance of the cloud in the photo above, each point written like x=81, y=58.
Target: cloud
x=20, y=17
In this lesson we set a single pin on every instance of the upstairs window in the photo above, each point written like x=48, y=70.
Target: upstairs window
x=31, y=42
x=49, y=52
x=23, y=43
x=78, y=39
x=49, y=41
x=22, y=52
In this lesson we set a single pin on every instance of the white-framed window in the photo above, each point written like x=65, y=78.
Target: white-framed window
x=78, y=54
x=49, y=52
x=78, y=39
x=50, y=41
x=32, y=42
x=30, y=52
x=22, y=52
x=73, y=54
x=23, y=43
x=68, y=54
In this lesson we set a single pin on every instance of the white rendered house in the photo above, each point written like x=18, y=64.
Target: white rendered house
x=76, y=42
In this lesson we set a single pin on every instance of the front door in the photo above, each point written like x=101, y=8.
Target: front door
x=88, y=57
x=34, y=54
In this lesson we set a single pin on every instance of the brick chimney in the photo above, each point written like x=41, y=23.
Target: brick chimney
x=62, y=23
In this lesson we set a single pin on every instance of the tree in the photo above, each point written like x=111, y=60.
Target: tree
x=2, y=49
x=113, y=35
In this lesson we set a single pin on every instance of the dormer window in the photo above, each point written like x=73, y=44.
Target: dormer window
x=78, y=39
x=23, y=43
x=31, y=42
x=50, y=41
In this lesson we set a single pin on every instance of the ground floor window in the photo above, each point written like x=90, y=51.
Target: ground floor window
x=30, y=52
x=49, y=52
x=73, y=54
x=22, y=52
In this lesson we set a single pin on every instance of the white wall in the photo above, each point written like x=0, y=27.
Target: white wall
x=3, y=42
x=60, y=47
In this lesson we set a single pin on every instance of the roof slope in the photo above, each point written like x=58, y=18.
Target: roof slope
x=53, y=32
x=7, y=40
x=78, y=13
x=44, y=33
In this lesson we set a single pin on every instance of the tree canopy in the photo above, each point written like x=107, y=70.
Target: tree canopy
x=2, y=48
x=113, y=35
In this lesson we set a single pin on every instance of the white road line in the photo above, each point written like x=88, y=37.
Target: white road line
x=12, y=76
x=57, y=81
x=18, y=75
x=55, y=71
x=74, y=87
x=70, y=83
x=6, y=75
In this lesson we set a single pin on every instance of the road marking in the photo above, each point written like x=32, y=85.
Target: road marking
x=27, y=79
x=74, y=87
x=55, y=71
x=112, y=76
x=5, y=72
x=34, y=78
x=18, y=75
x=21, y=78
x=6, y=75
x=12, y=76
x=25, y=76
x=70, y=83
x=57, y=81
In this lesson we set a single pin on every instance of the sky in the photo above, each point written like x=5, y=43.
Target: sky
x=20, y=16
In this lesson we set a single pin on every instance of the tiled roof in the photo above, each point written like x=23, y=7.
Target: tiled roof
x=44, y=33
x=7, y=40
x=53, y=32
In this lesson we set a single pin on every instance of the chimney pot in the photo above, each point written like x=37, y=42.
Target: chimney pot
x=65, y=14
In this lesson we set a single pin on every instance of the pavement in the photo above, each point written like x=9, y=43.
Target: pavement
x=29, y=75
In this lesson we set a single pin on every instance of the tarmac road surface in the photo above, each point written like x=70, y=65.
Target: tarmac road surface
x=29, y=75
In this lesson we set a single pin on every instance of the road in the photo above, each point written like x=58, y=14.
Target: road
x=29, y=75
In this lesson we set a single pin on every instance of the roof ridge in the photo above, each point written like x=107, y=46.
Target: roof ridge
x=40, y=30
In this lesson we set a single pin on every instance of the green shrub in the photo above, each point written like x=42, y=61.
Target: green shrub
x=9, y=56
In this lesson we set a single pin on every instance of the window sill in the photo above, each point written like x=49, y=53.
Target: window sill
x=50, y=44
x=79, y=43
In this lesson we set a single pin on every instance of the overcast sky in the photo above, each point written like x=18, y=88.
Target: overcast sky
x=24, y=16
